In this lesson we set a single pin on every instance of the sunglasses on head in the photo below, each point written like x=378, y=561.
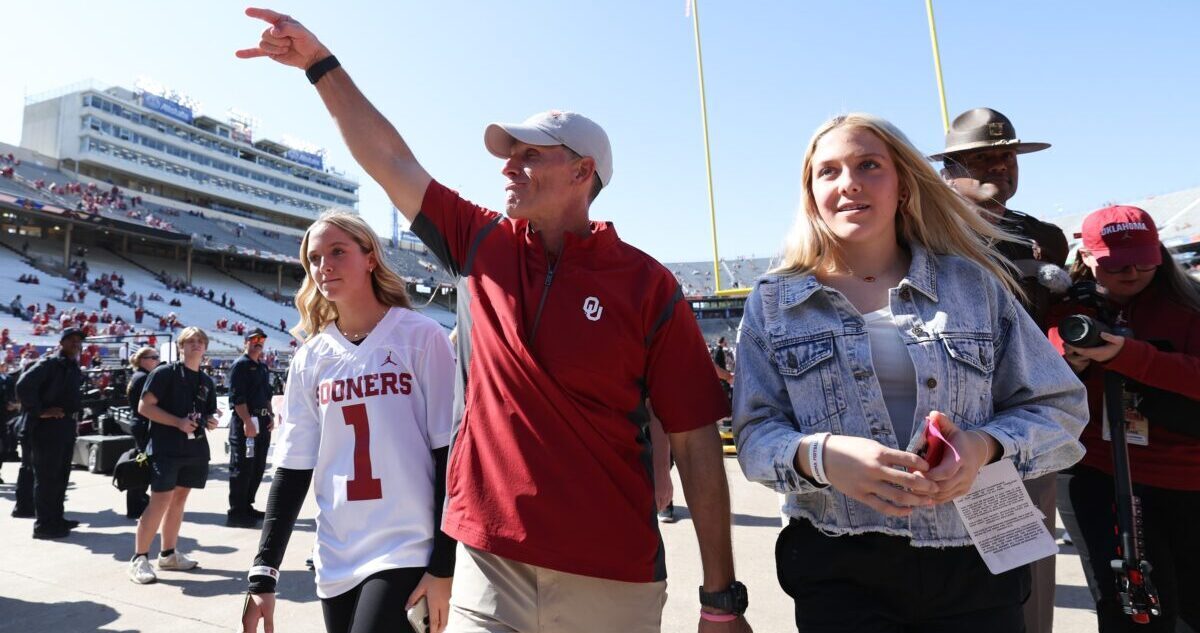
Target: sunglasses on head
x=1141, y=268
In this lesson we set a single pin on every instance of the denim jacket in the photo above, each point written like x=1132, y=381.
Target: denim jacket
x=804, y=366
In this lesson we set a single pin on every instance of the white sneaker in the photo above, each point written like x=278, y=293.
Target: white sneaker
x=141, y=572
x=177, y=561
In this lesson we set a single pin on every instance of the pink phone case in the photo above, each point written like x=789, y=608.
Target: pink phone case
x=936, y=444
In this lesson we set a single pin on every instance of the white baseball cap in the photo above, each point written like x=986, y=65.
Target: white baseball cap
x=555, y=127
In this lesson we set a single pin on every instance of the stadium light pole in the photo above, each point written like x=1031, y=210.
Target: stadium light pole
x=937, y=66
x=694, y=9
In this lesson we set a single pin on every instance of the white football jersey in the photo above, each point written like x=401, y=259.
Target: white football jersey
x=365, y=419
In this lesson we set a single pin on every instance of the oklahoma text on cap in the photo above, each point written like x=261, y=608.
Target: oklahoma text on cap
x=1121, y=236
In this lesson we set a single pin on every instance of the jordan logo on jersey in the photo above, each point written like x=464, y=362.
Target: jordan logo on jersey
x=389, y=360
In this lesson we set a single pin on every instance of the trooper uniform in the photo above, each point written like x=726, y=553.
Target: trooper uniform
x=249, y=385
x=985, y=129
x=52, y=382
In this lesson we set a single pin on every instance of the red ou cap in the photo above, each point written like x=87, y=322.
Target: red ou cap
x=1121, y=236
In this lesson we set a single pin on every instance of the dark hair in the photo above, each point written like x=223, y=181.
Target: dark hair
x=1170, y=278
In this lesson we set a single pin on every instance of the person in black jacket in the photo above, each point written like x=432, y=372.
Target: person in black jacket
x=250, y=425
x=50, y=401
x=23, y=494
x=143, y=362
x=8, y=408
x=181, y=402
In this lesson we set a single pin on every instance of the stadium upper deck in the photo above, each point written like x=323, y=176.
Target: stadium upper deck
x=34, y=183
x=153, y=144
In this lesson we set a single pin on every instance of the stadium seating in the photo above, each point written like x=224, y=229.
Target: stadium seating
x=194, y=310
x=696, y=278
x=141, y=274
x=1177, y=215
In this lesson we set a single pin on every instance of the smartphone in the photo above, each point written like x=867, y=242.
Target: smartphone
x=418, y=616
x=934, y=446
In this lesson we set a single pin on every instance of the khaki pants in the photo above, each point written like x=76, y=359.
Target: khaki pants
x=1039, y=608
x=497, y=595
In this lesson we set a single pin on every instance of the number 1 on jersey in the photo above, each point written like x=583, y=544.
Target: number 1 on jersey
x=362, y=487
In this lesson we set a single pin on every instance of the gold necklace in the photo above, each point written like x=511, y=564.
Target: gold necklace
x=355, y=337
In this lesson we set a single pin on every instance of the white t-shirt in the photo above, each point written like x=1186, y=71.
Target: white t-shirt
x=365, y=419
x=895, y=371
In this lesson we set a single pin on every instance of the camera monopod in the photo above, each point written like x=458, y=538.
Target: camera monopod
x=1137, y=594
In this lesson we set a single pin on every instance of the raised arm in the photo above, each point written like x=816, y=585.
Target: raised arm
x=372, y=139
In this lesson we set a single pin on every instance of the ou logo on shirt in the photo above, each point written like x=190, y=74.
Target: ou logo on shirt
x=592, y=309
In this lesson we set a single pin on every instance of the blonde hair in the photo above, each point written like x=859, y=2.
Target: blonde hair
x=931, y=214
x=189, y=333
x=136, y=359
x=315, y=310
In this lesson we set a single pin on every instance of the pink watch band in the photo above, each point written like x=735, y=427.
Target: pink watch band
x=718, y=617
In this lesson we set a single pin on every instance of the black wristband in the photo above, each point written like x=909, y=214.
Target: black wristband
x=318, y=70
x=288, y=490
x=262, y=585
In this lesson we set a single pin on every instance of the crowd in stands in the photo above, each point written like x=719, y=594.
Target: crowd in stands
x=91, y=198
x=237, y=327
x=29, y=279
x=76, y=294
x=14, y=352
x=8, y=162
x=109, y=284
x=169, y=322
x=178, y=284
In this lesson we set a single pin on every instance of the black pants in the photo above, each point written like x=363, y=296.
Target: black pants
x=8, y=437
x=24, y=500
x=882, y=584
x=376, y=605
x=245, y=473
x=1171, y=525
x=53, y=441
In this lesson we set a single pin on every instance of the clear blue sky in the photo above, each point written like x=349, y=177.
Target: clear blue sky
x=1111, y=84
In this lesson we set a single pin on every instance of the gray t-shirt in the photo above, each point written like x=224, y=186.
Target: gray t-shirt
x=894, y=369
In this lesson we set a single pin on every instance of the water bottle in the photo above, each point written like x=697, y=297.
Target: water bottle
x=249, y=447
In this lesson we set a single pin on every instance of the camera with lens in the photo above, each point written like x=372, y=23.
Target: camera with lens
x=1164, y=408
x=1081, y=330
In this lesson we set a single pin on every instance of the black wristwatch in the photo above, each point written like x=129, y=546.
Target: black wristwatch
x=734, y=599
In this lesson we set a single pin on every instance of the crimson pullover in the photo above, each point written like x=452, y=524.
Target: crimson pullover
x=551, y=463
x=1171, y=460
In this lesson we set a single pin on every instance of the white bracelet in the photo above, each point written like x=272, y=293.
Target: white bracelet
x=263, y=570
x=816, y=457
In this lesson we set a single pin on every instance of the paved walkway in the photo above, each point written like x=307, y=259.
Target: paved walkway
x=79, y=584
